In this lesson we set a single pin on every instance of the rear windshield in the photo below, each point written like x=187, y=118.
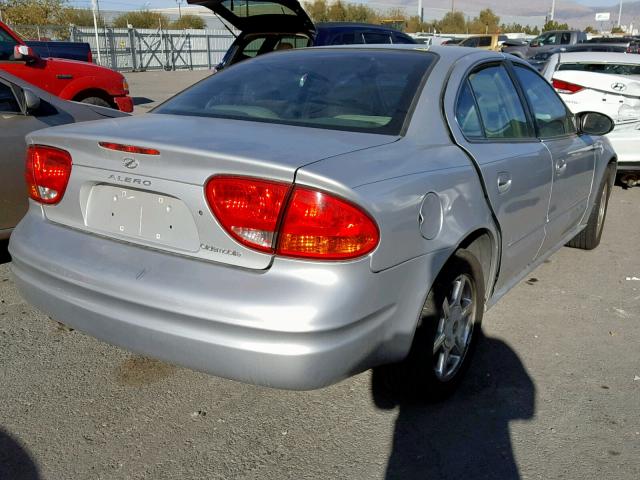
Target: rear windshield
x=342, y=89
x=611, y=68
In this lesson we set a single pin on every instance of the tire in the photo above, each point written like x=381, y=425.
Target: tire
x=423, y=376
x=100, y=102
x=589, y=238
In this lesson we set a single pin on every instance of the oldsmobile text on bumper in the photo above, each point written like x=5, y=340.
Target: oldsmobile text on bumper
x=297, y=325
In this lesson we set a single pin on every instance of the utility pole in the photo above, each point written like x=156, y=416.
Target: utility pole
x=552, y=14
x=420, y=16
x=620, y=15
x=453, y=6
x=96, y=9
x=179, y=2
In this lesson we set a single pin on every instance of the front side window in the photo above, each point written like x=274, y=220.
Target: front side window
x=8, y=102
x=340, y=89
x=484, y=42
x=547, y=39
x=565, y=39
x=501, y=110
x=551, y=115
x=470, y=42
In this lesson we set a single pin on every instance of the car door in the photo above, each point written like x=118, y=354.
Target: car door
x=14, y=125
x=573, y=155
x=492, y=124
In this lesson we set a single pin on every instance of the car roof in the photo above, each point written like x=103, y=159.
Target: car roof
x=599, y=57
x=351, y=25
x=448, y=53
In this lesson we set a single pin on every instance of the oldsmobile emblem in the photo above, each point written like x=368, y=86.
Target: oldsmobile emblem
x=130, y=163
x=618, y=87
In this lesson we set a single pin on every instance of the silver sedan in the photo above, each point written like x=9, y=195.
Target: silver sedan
x=306, y=215
x=25, y=108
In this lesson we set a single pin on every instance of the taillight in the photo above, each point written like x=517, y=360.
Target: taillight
x=319, y=225
x=565, y=87
x=247, y=208
x=304, y=223
x=47, y=173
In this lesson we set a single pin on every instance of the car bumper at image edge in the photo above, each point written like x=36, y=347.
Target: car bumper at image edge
x=66, y=286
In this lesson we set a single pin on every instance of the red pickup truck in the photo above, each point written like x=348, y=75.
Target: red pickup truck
x=68, y=79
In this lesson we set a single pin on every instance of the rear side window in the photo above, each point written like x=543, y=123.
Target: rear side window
x=470, y=42
x=565, y=39
x=610, y=68
x=359, y=90
x=551, y=115
x=8, y=103
x=467, y=113
x=501, y=110
x=376, y=37
x=347, y=39
x=253, y=47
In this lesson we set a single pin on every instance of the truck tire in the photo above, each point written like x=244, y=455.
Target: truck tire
x=100, y=102
x=589, y=238
x=446, y=335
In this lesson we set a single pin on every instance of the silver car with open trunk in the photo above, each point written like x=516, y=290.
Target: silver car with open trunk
x=306, y=215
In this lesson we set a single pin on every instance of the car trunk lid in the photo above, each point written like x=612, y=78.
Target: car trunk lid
x=261, y=15
x=158, y=200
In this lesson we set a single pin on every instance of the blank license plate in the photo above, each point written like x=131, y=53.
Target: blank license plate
x=135, y=214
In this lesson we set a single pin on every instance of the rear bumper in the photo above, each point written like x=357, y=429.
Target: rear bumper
x=125, y=104
x=298, y=325
x=625, y=142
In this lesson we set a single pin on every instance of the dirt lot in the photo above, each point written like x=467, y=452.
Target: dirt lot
x=554, y=392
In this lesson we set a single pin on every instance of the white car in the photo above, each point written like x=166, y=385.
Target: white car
x=608, y=83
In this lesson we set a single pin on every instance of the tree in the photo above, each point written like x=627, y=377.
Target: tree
x=590, y=29
x=188, y=22
x=553, y=25
x=80, y=17
x=33, y=12
x=141, y=19
x=452, y=22
x=318, y=11
x=617, y=30
x=489, y=20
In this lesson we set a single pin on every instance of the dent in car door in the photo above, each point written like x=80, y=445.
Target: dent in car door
x=489, y=121
x=573, y=156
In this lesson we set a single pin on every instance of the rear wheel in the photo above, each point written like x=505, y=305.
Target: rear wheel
x=446, y=335
x=100, y=102
x=590, y=237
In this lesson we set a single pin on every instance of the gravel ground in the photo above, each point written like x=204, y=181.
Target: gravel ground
x=554, y=393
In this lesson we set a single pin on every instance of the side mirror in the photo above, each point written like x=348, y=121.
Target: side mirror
x=24, y=52
x=31, y=101
x=594, y=123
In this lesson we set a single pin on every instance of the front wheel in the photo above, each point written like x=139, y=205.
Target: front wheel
x=447, y=332
x=100, y=102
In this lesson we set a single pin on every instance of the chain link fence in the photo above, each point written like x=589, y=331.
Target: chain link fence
x=131, y=49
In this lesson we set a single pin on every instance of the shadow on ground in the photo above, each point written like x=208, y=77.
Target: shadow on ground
x=15, y=461
x=468, y=435
x=142, y=100
x=4, y=252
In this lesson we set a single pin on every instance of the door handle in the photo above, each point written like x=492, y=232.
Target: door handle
x=561, y=166
x=504, y=182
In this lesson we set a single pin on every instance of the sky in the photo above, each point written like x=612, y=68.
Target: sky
x=138, y=4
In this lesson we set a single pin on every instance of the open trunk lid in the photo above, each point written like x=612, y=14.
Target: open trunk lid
x=159, y=200
x=261, y=15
